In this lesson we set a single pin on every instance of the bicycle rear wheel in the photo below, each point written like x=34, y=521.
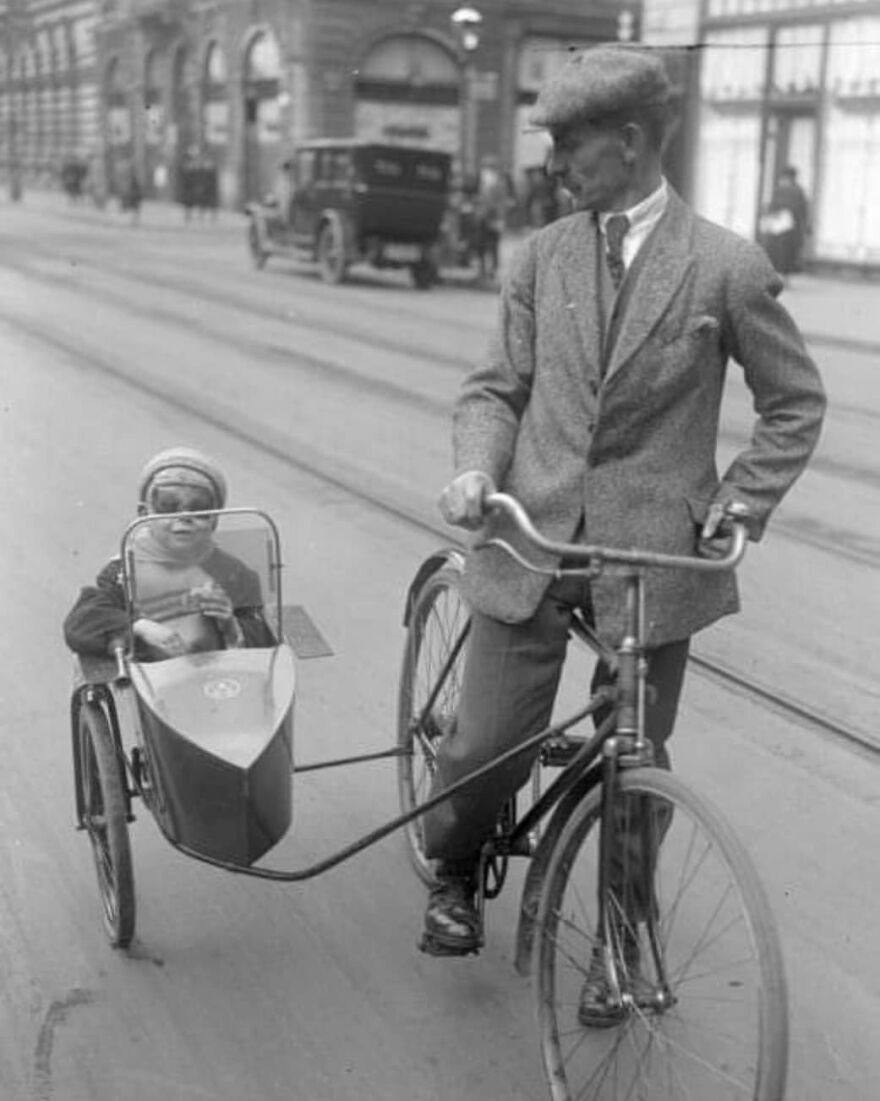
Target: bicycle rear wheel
x=704, y=1011
x=430, y=686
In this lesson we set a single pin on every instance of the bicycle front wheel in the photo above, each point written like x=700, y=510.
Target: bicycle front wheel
x=430, y=686
x=700, y=1011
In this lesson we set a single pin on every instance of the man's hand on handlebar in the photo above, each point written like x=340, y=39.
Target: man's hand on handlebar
x=715, y=537
x=462, y=502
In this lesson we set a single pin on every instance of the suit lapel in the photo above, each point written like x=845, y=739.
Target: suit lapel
x=577, y=269
x=662, y=269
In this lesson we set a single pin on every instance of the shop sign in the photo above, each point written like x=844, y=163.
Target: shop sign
x=408, y=124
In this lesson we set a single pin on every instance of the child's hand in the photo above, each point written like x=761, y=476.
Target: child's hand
x=164, y=639
x=211, y=600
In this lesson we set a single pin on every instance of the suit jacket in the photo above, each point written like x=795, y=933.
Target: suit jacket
x=628, y=452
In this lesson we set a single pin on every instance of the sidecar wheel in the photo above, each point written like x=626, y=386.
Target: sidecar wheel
x=104, y=819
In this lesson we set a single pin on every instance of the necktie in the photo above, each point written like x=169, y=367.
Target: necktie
x=616, y=228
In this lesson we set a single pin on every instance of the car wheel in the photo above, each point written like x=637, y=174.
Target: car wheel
x=424, y=274
x=331, y=254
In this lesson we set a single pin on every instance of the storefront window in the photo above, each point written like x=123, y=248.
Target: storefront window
x=848, y=216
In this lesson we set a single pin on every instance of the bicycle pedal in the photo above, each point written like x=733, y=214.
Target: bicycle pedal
x=432, y=946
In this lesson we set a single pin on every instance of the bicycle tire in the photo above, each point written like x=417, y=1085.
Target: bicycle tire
x=439, y=615
x=106, y=823
x=723, y=1033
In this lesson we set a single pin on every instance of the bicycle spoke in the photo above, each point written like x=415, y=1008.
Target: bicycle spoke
x=694, y=1019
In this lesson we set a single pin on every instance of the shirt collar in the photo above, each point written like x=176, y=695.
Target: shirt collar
x=644, y=213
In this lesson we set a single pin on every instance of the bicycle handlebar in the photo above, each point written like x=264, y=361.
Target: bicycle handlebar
x=595, y=555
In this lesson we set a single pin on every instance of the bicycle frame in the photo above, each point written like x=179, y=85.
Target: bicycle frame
x=619, y=740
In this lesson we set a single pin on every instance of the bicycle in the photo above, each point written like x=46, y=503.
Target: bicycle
x=633, y=878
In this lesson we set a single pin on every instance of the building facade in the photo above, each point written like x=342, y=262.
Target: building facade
x=239, y=82
x=779, y=83
x=49, y=96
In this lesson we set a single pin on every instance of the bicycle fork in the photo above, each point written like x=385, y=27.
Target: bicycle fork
x=626, y=895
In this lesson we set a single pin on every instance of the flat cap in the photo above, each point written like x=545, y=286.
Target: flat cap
x=601, y=81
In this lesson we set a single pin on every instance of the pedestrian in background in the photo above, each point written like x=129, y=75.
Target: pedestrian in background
x=492, y=204
x=785, y=224
x=131, y=193
x=597, y=406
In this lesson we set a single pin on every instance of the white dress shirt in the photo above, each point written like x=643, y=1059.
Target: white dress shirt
x=642, y=219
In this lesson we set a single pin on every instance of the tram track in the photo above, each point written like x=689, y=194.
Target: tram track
x=842, y=544
x=345, y=477
x=197, y=288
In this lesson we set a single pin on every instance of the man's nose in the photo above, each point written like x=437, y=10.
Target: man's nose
x=554, y=166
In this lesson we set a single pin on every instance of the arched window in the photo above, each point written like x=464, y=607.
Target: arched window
x=263, y=59
x=409, y=68
x=152, y=79
x=215, y=97
x=118, y=114
x=215, y=66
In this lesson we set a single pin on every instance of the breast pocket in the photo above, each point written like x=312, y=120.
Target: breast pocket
x=687, y=331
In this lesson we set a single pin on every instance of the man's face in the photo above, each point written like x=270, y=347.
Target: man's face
x=588, y=160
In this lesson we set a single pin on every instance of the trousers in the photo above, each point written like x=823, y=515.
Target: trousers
x=510, y=680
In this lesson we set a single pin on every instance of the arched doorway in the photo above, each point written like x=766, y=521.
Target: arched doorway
x=215, y=116
x=119, y=137
x=155, y=168
x=262, y=115
x=182, y=138
x=407, y=91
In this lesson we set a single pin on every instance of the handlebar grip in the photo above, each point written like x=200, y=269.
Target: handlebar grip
x=118, y=651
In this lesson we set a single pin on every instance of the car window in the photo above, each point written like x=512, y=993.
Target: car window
x=339, y=167
x=305, y=167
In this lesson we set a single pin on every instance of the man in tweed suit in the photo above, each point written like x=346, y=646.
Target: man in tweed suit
x=598, y=408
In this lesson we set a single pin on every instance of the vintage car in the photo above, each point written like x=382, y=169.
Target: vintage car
x=352, y=201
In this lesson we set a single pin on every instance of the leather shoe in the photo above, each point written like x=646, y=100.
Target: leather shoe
x=452, y=923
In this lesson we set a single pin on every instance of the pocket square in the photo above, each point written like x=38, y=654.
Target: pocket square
x=705, y=323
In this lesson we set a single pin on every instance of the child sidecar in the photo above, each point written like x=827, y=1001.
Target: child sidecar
x=217, y=737
x=204, y=737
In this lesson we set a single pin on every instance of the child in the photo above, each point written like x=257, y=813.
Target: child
x=190, y=594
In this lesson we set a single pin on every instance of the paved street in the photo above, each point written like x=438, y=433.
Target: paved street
x=842, y=309
x=329, y=407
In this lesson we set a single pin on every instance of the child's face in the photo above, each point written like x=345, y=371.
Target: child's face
x=182, y=531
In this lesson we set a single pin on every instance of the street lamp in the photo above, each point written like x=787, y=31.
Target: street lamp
x=466, y=21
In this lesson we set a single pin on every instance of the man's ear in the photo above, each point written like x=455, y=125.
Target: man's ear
x=633, y=140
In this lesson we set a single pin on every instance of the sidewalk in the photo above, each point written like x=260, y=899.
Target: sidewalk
x=834, y=312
